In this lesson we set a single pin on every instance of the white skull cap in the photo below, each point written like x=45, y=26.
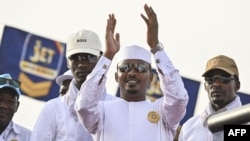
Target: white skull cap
x=134, y=52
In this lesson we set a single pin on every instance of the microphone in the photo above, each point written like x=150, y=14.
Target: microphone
x=236, y=116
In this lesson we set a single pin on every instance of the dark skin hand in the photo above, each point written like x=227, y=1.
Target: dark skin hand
x=152, y=26
x=112, y=39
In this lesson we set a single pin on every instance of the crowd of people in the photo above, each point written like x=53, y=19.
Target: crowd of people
x=84, y=111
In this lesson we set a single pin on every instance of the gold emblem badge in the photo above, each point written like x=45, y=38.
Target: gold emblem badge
x=153, y=117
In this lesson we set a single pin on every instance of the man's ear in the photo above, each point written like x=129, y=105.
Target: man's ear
x=68, y=64
x=116, y=76
x=237, y=85
x=151, y=76
x=205, y=86
x=17, y=106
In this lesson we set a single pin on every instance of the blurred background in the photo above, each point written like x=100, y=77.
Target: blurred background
x=192, y=32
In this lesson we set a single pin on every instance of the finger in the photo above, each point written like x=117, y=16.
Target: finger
x=144, y=18
x=146, y=8
x=149, y=11
x=112, y=22
x=109, y=23
x=117, y=37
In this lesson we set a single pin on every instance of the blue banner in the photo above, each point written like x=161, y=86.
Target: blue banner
x=34, y=60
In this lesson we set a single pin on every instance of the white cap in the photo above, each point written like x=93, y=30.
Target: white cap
x=134, y=52
x=64, y=76
x=8, y=85
x=84, y=41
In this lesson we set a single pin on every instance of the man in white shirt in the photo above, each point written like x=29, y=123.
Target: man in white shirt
x=132, y=117
x=58, y=120
x=9, y=102
x=221, y=84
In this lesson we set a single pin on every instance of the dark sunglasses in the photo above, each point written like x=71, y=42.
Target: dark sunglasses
x=223, y=79
x=11, y=82
x=128, y=67
x=87, y=58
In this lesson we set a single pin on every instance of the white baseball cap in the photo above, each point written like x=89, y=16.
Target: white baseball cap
x=65, y=76
x=134, y=52
x=84, y=41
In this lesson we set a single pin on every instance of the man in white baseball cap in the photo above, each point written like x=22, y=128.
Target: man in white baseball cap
x=58, y=120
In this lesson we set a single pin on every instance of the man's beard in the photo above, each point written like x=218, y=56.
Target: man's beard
x=132, y=92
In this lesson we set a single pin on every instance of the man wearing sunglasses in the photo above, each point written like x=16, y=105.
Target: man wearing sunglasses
x=221, y=83
x=132, y=117
x=9, y=102
x=58, y=120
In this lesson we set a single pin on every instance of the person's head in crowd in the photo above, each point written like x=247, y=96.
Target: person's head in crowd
x=83, y=51
x=133, y=68
x=63, y=81
x=221, y=80
x=9, y=99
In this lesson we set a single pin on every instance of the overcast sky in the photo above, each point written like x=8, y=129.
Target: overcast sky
x=192, y=31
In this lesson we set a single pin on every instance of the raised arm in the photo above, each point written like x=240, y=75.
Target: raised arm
x=152, y=26
x=112, y=39
x=175, y=97
x=87, y=101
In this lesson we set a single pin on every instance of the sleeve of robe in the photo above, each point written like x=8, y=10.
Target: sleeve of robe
x=90, y=94
x=175, y=98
